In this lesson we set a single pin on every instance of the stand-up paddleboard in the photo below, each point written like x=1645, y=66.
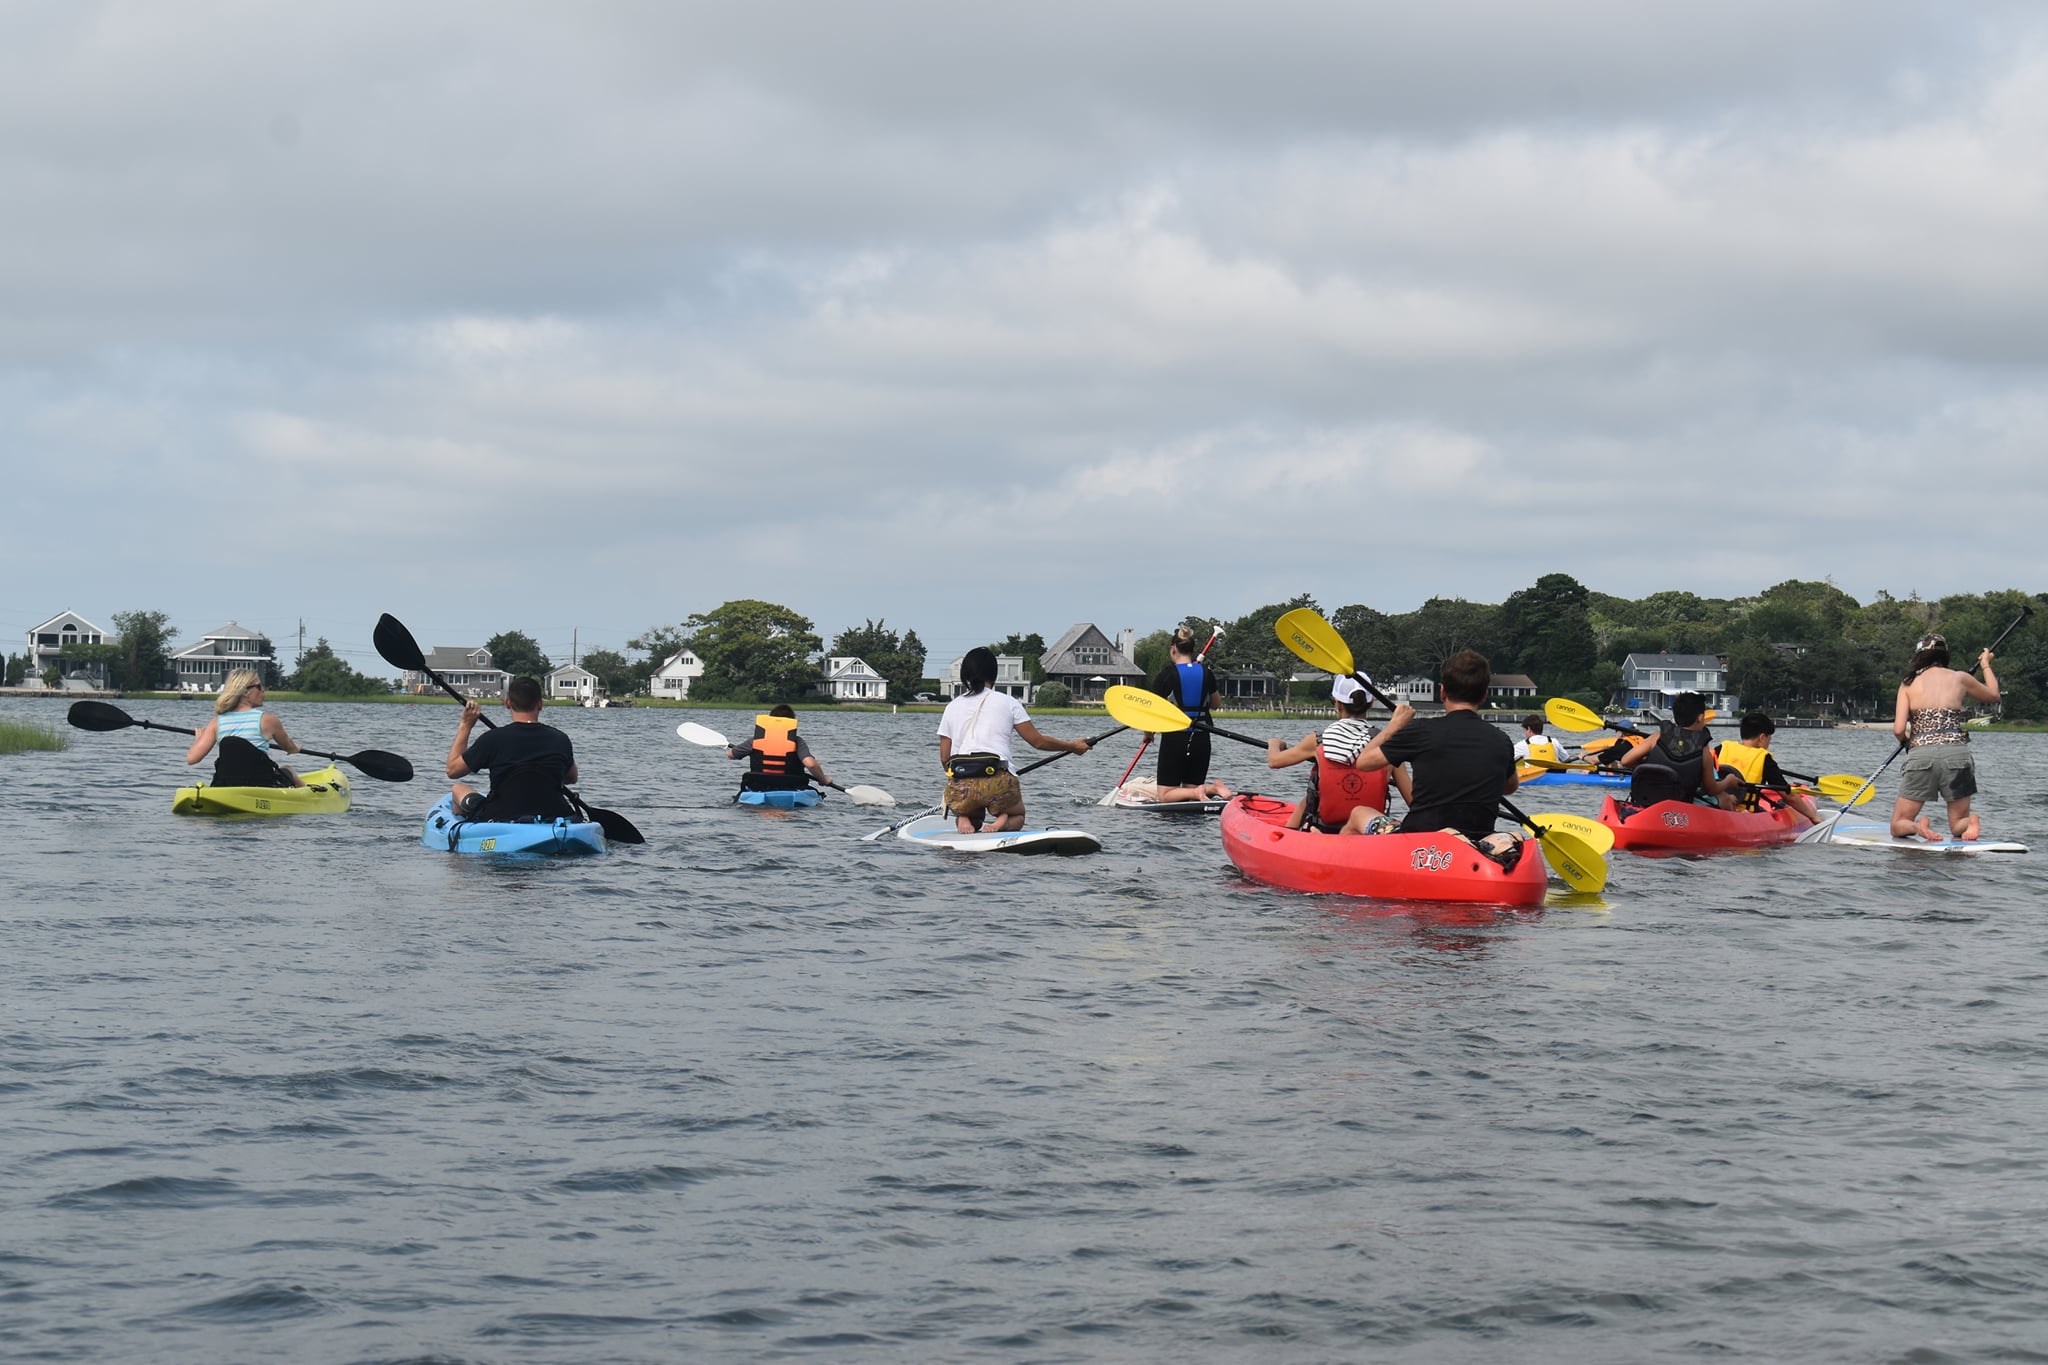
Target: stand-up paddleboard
x=1124, y=798
x=939, y=831
x=1870, y=834
x=793, y=799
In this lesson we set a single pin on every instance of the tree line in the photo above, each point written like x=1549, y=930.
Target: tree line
x=1795, y=647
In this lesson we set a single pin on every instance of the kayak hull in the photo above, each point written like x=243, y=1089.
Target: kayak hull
x=795, y=799
x=325, y=793
x=445, y=833
x=1870, y=834
x=1410, y=867
x=938, y=831
x=1543, y=777
x=1687, y=827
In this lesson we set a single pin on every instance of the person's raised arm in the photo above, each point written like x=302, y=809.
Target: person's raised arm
x=1278, y=757
x=1370, y=759
x=471, y=713
x=1036, y=740
x=1637, y=752
x=1986, y=691
x=273, y=730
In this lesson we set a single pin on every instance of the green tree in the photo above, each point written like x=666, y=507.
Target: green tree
x=322, y=671
x=1374, y=640
x=1547, y=632
x=1053, y=695
x=899, y=660
x=145, y=650
x=1149, y=652
x=753, y=650
x=616, y=673
x=17, y=669
x=1441, y=627
x=1255, y=645
x=518, y=654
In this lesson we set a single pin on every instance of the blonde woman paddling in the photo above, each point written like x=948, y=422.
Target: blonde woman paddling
x=1929, y=718
x=238, y=714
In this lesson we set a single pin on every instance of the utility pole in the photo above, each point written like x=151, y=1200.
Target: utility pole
x=574, y=632
x=302, y=644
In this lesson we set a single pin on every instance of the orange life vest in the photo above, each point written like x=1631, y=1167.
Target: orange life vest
x=1342, y=789
x=774, y=753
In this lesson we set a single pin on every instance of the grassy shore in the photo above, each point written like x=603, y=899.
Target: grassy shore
x=19, y=737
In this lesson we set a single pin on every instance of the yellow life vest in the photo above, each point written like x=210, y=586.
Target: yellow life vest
x=1748, y=763
x=1544, y=748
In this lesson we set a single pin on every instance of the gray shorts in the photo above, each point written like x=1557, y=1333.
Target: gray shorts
x=1945, y=770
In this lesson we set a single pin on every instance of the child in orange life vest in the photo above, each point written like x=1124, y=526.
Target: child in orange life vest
x=1340, y=799
x=778, y=758
x=1752, y=761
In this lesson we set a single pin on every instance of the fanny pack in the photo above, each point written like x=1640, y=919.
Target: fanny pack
x=969, y=767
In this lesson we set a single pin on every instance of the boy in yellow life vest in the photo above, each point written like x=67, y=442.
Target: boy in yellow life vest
x=1752, y=762
x=1535, y=744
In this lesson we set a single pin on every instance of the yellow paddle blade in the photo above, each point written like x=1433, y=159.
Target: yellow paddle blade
x=1595, y=834
x=1566, y=714
x=1549, y=765
x=1143, y=710
x=1845, y=786
x=1601, y=746
x=1572, y=858
x=1314, y=641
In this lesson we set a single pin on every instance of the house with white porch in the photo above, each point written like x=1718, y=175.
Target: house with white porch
x=572, y=682
x=850, y=679
x=204, y=667
x=1011, y=678
x=1509, y=686
x=467, y=669
x=47, y=643
x=1415, y=690
x=673, y=678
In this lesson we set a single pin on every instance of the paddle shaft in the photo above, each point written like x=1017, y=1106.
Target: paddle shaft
x=1034, y=767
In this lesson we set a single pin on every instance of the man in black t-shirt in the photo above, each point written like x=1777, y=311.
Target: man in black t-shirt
x=529, y=763
x=1462, y=765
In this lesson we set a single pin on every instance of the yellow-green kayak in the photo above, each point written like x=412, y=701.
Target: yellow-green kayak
x=326, y=790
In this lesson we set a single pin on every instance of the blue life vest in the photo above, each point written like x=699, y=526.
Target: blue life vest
x=1194, y=695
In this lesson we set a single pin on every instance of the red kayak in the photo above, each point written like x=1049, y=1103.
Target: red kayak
x=1685, y=827
x=1409, y=867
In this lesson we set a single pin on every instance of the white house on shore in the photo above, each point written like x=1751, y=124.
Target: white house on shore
x=467, y=669
x=204, y=667
x=1090, y=663
x=47, y=643
x=1011, y=678
x=1653, y=679
x=673, y=678
x=850, y=679
x=573, y=682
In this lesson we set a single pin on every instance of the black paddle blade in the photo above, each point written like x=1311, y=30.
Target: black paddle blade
x=396, y=645
x=617, y=827
x=97, y=715
x=385, y=767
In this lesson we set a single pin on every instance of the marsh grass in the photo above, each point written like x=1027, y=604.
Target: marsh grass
x=19, y=737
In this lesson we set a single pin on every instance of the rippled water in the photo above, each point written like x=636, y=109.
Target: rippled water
x=302, y=1089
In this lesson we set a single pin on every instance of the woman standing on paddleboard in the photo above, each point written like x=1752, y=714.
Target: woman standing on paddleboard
x=1929, y=717
x=974, y=748
x=238, y=714
x=1188, y=684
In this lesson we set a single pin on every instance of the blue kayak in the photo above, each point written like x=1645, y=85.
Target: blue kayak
x=1578, y=780
x=789, y=800
x=443, y=831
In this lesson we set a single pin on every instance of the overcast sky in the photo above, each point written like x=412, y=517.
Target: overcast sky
x=980, y=319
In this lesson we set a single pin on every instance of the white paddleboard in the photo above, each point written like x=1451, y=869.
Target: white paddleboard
x=1122, y=802
x=1870, y=834
x=938, y=831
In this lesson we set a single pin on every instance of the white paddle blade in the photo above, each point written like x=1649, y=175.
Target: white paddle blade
x=702, y=734
x=870, y=796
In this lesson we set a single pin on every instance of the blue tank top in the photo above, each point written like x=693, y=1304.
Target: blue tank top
x=243, y=725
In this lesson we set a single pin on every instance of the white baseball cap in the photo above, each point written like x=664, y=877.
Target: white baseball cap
x=1346, y=689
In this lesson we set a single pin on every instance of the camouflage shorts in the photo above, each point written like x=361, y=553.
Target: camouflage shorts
x=998, y=795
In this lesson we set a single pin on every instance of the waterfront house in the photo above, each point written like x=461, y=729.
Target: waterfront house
x=204, y=667
x=673, y=678
x=47, y=643
x=1508, y=686
x=1249, y=685
x=1011, y=678
x=1415, y=690
x=850, y=679
x=573, y=682
x=1090, y=663
x=467, y=669
x=1652, y=679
